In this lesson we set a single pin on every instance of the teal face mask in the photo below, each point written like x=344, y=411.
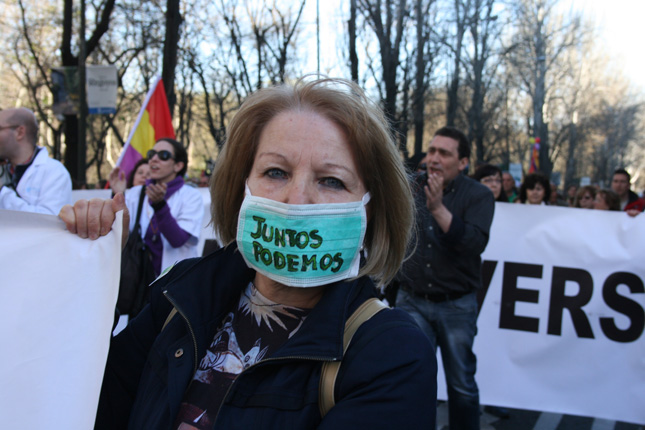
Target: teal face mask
x=302, y=245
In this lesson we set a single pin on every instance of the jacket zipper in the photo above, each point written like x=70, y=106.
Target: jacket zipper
x=321, y=359
x=190, y=329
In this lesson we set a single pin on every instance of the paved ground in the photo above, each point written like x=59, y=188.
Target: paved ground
x=532, y=420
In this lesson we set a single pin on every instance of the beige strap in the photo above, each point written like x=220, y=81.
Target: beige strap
x=330, y=368
x=170, y=315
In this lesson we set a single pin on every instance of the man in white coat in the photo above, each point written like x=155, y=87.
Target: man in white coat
x=37, y=183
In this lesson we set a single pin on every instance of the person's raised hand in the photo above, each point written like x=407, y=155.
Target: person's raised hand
x=94, y=218
x=434, y=191
x=156, y=192
x=117, y=180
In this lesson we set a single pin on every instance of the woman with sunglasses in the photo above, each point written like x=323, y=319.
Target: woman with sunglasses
x=171, y=216
x=585, y=197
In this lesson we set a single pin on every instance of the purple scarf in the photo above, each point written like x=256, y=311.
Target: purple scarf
x=162, y=221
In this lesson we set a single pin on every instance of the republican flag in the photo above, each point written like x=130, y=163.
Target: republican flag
x=153, y=123
x=535, y=156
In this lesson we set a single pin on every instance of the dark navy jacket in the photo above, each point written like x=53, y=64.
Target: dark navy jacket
x=386, y=380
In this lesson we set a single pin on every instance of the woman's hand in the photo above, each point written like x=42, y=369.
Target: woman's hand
x=94, y=218
x=117, y=180
x=632, y=212
x=156, y=192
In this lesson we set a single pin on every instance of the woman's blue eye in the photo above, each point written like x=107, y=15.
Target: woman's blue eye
x=275, y=173
x=333, y=183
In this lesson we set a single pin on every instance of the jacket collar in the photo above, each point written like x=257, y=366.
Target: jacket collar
x=207, y=290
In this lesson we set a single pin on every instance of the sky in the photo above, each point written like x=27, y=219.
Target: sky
x=620, y=25
x=621, y=30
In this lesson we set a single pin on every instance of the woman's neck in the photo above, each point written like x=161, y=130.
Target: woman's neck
x=304, y=298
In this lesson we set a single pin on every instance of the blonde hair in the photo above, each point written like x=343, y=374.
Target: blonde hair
x=391, y=209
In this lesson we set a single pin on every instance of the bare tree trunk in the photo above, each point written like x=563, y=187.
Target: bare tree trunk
x=390, y=36
x=71, y=121
x=353, y=58
x=453, y=89
x=170, y=47
x=418, y=104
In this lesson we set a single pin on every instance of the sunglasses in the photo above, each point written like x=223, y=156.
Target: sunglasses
x=163, y=155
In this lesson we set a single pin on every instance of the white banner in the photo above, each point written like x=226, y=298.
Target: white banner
x=561, y=325
x=58, y=297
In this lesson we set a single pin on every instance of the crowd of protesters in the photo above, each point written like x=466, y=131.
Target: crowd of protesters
x=454, y=214
x=536, y=189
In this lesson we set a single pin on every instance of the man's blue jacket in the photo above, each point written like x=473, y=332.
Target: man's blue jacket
x=387, y=378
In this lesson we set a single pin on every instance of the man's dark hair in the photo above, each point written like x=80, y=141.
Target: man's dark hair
x=180, y=153
x=413, y=162
x=622, y=172
x=459, y=136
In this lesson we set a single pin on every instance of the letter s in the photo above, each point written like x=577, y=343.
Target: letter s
x=630, y=308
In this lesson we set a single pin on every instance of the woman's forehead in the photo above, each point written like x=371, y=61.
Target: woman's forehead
x=162, y=144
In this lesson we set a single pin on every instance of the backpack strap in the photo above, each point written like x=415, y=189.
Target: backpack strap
x=139, y=206
x=329, y=370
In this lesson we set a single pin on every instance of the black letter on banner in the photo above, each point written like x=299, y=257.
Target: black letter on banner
x=488, y=270
x=559, y=301
x=625, y=306
x=512, y=294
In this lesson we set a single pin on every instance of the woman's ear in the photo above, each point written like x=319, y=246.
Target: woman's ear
x=178, y=166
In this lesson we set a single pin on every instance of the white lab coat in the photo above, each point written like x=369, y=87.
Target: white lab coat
x=44, y=188
x=186, y=206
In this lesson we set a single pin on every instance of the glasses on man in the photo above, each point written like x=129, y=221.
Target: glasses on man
x=164, y=155
x=3, y=127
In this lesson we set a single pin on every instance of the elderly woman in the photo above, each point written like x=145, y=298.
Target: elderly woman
x=311, y=199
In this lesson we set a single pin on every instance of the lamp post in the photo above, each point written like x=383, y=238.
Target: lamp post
x=82, y=113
